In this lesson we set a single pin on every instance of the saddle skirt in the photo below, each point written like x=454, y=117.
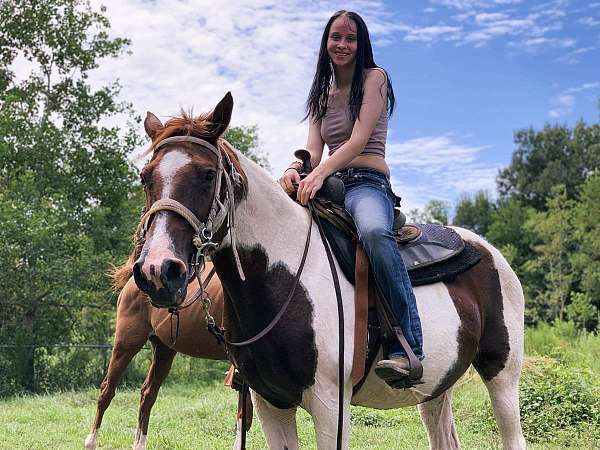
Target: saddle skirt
x=431, y=252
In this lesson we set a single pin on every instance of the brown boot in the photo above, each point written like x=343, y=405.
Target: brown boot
x=394, y=369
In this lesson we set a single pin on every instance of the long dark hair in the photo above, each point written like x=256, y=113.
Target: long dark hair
x=316, y=104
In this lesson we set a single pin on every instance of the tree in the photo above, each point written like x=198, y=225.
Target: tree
x=436, y=211
x=544, y=159
x=68, y=204
x=553, y=260
x=474, y=214
x=587, y=228
x=245, y=139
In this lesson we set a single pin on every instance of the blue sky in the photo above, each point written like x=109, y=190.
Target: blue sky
x=467, y=74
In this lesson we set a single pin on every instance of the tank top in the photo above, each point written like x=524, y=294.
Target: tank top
x=337, y=124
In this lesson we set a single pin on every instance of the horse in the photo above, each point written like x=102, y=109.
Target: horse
x=257, y=238
x=137, y=322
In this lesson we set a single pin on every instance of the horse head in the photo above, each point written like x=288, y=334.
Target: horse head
x=189, y=196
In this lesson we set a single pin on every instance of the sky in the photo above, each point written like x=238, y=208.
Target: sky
x=466, y=74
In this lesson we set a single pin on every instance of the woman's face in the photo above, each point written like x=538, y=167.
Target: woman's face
x=341, y=43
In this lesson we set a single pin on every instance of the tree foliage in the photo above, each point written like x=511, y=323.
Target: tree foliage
x=67, y=197
x=475, y=213
x=543, y=159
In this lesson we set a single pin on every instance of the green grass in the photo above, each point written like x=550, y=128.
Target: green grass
x=200, y=415
x=196, y=416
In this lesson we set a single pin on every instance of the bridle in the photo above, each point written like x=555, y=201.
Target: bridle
x=220, y=213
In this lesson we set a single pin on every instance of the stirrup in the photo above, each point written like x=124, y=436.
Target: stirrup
x=403, y=383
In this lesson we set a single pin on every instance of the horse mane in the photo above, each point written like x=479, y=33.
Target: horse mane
x=184, y=125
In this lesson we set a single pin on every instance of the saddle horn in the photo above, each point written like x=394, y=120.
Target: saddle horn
x=304, y=156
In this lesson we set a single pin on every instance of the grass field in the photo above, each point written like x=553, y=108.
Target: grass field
x=201, y=415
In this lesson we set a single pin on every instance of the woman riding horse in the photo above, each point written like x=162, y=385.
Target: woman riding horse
x=348, y=110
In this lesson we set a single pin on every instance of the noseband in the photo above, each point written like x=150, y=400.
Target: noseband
x=203, y=230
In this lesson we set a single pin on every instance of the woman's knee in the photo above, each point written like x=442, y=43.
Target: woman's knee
x=375, y=236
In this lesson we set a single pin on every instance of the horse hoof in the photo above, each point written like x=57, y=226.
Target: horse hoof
x=90, y=442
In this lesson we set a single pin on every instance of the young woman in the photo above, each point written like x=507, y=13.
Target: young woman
x=348, y=108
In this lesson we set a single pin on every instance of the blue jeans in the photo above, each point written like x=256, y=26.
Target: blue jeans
x=370, y=201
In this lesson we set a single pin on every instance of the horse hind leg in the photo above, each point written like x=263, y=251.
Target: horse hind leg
x=438, y=419
x=121, y=356
x=162, y=359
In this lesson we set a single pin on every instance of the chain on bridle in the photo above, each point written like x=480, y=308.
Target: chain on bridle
x=220, y=213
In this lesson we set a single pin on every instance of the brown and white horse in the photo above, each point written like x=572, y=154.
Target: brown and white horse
x=137, y=322
x=475, y=320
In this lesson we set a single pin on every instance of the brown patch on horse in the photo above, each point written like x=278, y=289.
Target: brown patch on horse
x=282, y=364
x=482, y=336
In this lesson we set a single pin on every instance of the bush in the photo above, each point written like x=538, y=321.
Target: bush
x=582, y=311
x=555, y=397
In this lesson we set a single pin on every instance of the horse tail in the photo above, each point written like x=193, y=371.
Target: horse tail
x=120, y=274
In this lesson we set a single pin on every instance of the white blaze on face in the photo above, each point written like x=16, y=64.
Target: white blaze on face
x=160, y=244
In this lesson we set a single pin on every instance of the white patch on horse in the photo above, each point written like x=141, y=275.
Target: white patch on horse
x=91, y=441
x=161, y=240
x=141, y=440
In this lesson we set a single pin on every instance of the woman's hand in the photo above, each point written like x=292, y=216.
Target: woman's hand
x=287, y=180
x=309, y=186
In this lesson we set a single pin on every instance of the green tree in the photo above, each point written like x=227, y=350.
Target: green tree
x=543, y=159
x=474, y=214
x=245, y=139
x=553, y=253
x=68, y=204
x=435, y=211
x=587, y=228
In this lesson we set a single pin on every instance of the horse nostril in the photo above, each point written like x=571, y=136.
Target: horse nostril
x=138, y=276
x=173, y=272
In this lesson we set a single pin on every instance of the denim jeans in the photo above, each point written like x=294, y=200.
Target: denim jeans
x=370, y=201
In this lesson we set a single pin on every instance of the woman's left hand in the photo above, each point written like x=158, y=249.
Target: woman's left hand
x=309, y=186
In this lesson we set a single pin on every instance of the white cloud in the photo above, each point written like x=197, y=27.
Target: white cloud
x=573, y=56
x=583, y=87
x=428, y=34
x=190, y=53
x=589, y=21
x=562, y=105
x=438, y=167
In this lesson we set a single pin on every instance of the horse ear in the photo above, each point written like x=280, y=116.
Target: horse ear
x=222, y=114
x=152, y=125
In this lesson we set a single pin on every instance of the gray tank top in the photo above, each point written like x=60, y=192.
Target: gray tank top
x=336, y=128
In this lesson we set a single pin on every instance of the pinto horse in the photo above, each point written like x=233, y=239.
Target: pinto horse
x=477, y=319
x=137, y=322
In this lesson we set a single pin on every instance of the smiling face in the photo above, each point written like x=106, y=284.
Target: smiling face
x=342, y=41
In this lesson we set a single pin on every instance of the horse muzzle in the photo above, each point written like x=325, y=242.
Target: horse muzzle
x=164, y=281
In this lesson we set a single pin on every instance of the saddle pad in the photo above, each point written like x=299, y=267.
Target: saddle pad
x=439, y=254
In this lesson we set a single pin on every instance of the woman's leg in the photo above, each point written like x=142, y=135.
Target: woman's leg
x=371, y=207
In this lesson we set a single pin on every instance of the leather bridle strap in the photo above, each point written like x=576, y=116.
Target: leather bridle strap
x=340, y=305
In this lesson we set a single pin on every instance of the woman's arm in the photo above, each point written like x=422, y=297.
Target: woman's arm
x=374, y=98
x=314, y=143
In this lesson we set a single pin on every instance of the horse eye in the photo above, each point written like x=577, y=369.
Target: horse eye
x=210, y=175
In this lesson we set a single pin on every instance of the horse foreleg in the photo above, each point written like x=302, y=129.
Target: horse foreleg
x=162, y=358
x=437, y=417
x=323, y=408
x=279, y=425
x=121, y=356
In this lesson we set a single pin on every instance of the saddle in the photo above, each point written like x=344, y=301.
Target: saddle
x=431, y=253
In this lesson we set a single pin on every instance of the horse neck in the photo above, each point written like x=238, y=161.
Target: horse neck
x=268, y=218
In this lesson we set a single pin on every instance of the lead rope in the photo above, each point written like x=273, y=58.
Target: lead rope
x=340, y=305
